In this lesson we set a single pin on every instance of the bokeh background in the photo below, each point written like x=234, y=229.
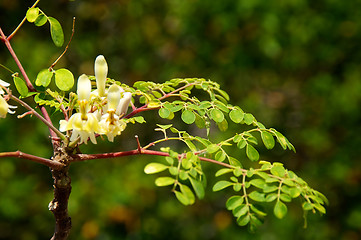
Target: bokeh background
x=294, y=64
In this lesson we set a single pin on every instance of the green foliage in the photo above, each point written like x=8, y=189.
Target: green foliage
x=38, y=17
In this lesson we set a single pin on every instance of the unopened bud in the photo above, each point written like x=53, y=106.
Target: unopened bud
x=113, y=97
x=101, y=72
x=84, y=88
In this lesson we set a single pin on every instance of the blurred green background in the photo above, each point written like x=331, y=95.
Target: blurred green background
x=294, y=64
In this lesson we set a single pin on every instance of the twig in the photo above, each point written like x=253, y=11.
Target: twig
x=44, y=161
x=20, y=24
x=46, y=121
x=66, y=48
x=84, y=157
x=11, y=50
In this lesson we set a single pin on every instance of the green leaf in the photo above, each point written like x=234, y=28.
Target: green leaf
x=260, y=183
x=307, y=206
x=278, y=171
x=212, y=148
x=280, y=209
x=139, y=119
x=21, y=86
x=257, y=211
x=248, y=118
x=182, y=198
x=32, y=14
x=241, y=144
x=198, y=188
x=164, y=112
x=44, y=78
x=187, y=192
x=40, y=20
x=223, y=126
x=223, y=171
x=152, y=168
x=216, y=115
x=244, y=220
x=200, y=122
x=64, y=79
x=281, y=139
x=257, y=196
x=234, y=202
x=271, y=197
x=295, y=192
x=240, y=211
x=164, y=181
x=221, y=185
x=252, y=153
x=188, y=116
x=56, y=32
x=268, y=139
x=236, y=115
x=220, y=156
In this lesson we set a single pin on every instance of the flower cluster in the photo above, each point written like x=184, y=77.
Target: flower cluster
x=4, y=106
x=100, y=111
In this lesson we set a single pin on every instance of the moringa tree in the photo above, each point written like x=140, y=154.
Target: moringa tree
x=102, y=106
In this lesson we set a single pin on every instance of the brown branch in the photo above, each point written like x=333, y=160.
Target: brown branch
x=59, y=205
x=44, y=161
x=11, y=50
x=84, y=157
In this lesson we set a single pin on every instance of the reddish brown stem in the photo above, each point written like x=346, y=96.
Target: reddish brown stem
x=44, y=161
x=84, y=157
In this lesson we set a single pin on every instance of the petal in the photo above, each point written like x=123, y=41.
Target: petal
x=124, y=104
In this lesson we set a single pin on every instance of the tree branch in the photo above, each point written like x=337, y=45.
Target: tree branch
x=45, y=113
x=84, y=157
x=44, y=161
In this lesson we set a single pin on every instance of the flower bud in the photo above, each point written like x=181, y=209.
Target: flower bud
x=124, y=104
x=4, y=107
x=101, y=72
x=84, y=88
x=113, y=97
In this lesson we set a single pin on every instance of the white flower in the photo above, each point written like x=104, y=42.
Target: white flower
x=82, y=127
x=83, y=124
x=110, y=123
x=101, y=72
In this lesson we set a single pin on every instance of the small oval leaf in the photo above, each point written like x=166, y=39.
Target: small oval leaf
x=280, y=209
x=44, y=78
x=32, y=14
x=236, y=115
x=221, y=185
x=252, y=153
x=268, y=139
x=164, y=112
x=188, y=117
x=234, y=202
x=64, y=79
x=154, y=168
x=56, y=32
x=164, y=181
x=21, y=86
x=40, y=20
x=216, y=115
